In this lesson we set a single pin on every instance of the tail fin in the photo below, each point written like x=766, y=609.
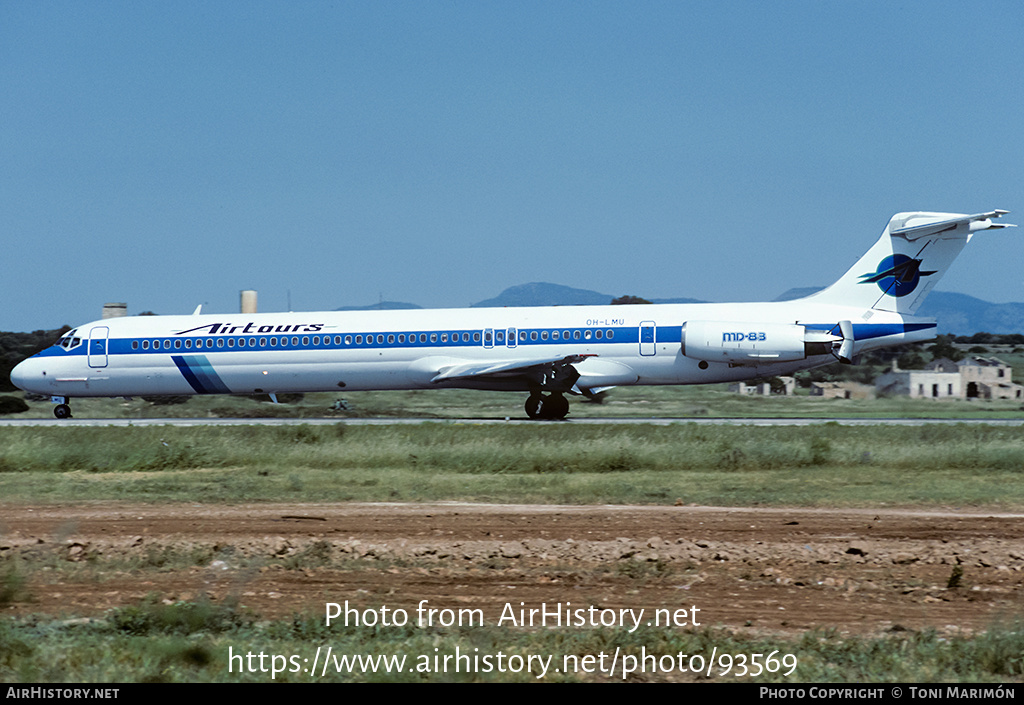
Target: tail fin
x=910, y=257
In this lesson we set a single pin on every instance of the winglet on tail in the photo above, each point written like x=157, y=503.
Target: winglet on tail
x=910, y=257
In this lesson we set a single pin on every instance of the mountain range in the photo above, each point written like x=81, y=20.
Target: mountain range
x=958, y=314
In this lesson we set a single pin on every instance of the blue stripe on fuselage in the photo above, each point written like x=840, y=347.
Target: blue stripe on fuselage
x=382, y=340
x=199, y=373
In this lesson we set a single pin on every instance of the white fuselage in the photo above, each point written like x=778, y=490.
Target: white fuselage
x=482, y=348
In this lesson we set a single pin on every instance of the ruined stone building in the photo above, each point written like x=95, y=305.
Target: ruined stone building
x=971, y=378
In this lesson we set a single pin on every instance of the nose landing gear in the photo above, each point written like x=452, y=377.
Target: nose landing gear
x=62, y=410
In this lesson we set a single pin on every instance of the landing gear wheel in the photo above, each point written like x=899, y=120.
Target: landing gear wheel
x=552, y=406
x=62, y=411
x=535, y=404
x=557, y=407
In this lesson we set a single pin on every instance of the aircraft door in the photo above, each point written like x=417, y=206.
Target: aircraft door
x=647, y=346
x=98, y=346
x=488, y=337
x=511, y=339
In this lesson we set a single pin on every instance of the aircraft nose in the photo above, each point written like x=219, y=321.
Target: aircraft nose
x=28, y=375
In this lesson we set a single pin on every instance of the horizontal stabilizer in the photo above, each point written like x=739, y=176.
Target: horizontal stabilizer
x=979, y=221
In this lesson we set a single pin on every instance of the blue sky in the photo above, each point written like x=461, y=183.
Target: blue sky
x=171, y=154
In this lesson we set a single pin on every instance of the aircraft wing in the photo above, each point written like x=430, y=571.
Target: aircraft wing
x=978, y=221
x=506, y=368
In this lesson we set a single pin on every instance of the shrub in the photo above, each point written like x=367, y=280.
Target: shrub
x=12, y=405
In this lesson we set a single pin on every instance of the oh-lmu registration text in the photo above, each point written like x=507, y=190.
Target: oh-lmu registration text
x=511, y=614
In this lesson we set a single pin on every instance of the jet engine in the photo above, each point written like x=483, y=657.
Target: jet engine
x=749, y=343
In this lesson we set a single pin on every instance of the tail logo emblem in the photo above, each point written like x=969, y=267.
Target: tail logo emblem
x=896, y=275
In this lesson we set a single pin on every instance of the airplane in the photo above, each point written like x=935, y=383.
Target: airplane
x=548, y=352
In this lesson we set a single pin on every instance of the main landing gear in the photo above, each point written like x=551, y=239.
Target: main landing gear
x=549, y=407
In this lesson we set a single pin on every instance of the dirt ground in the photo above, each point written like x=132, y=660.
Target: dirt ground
x=749, y=569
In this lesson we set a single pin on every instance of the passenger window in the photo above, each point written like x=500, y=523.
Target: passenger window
x=231, y=342
x=167, y=345
x=554, y=335
x=263, y=342
x=522, y=335
x=145, y=345
x=611, y=334
x=433, y=337
x=587, y=334
x=391, y=338
x=476, y=337
x=533, y=335
x=295, y=341
x=575, y=335
x=305, y=340
x=423, y=337
x=220, y=342
x=444, y=337
x=135, y=345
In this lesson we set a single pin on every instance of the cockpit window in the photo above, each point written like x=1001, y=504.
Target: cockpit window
x=69, y=340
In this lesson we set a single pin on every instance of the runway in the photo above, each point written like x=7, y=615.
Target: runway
x=703, y=421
